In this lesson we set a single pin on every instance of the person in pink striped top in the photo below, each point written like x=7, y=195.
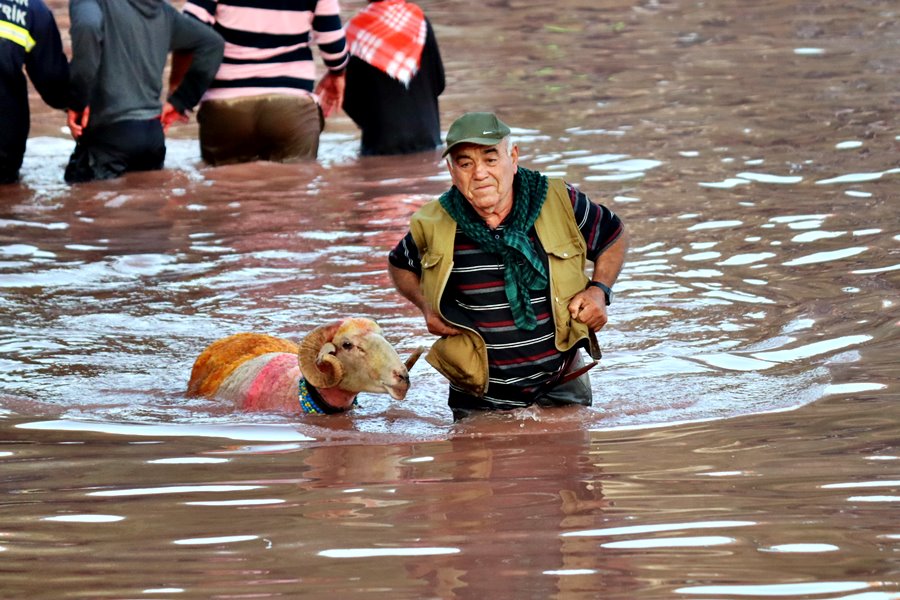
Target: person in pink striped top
x=265, y=103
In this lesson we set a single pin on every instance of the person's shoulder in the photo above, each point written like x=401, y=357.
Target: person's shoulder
x=429, y=215
x=431, y=209
x=41, y=15
x=573, y=190
x=561, y=185
x=38, y=6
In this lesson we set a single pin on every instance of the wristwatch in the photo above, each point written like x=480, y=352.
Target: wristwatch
x=607, y=291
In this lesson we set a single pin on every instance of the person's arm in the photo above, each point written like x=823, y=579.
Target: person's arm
x=404, y=267
x=181, y=63
x=609, y=264
x=607, y=244
x=205, y=48
x=407, y=283
x=86, y=31
x=589, y=306
x=328, y=34
x=46, y=64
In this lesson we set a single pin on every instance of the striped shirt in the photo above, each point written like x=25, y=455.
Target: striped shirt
x=268, y=44
x=517, y=358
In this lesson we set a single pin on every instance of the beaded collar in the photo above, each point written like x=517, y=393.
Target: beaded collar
x=311, y=402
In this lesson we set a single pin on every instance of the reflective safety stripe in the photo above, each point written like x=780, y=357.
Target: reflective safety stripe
x=17, y=35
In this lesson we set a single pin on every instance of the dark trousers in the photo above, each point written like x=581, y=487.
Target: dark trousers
x=8, y=173
x=574, y=391
x=10, y=162
x=108, y=151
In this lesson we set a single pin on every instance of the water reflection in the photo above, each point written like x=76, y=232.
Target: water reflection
x=377, y=552
x=639, y=529
x=217, y=541
x=783, y=590
x=228, y=430
x=681, y=542
x=85, y=518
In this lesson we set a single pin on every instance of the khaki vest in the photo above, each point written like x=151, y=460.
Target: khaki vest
x=462, y=359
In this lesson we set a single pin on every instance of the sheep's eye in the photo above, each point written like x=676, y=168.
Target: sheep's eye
x=347, y=345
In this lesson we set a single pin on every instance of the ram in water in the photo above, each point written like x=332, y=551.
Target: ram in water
x=323, y=374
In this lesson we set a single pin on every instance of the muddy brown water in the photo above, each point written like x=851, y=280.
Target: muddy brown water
x=744, y=438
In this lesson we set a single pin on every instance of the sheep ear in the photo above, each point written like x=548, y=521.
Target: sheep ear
x=316, y=357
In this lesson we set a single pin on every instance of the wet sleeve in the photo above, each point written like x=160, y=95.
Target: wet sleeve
x=46, y=64
x=207, y=48
x=599, y=226
x=405, y=255
x=86, y=29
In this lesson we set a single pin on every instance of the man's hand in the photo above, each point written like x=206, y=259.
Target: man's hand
x=589, y=307
x=78, y=121
x=331, y=92
x=171, y=115
x=437, y=326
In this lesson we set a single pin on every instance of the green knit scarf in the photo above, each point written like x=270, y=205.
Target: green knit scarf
x=524, y=268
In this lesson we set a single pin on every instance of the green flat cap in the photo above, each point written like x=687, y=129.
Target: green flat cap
x=482, y=128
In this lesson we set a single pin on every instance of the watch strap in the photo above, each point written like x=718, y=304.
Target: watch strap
x=607, y=291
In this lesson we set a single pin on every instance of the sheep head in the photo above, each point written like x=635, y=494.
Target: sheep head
x=353, y=355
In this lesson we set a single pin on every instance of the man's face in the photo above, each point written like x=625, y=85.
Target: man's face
x=484, y=175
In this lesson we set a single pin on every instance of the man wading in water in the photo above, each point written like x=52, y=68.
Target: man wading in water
x=497, y=267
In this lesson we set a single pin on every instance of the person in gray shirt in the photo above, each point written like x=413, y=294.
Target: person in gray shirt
x=119, y=52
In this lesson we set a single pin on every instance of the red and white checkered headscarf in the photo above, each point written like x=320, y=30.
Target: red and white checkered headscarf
x=389, y=35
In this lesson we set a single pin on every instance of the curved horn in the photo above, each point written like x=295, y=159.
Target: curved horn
x=328, y=371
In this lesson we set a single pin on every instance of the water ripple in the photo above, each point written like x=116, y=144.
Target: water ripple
x=820, y=257
x=857, y=177
x=777, y=589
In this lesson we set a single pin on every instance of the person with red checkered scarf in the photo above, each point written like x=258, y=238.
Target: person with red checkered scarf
x=394, y=78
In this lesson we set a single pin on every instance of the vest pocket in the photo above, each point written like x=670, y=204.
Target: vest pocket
x=567, y=260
